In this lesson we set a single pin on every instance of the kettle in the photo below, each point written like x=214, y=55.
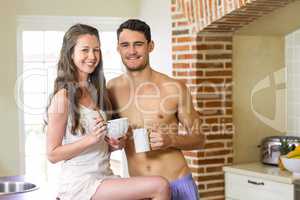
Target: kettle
x=270, y=148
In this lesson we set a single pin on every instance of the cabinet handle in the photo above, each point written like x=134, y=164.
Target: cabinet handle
x=255, y=183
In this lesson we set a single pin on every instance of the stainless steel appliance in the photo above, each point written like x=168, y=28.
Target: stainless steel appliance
x=297, y=189
x=270, y=148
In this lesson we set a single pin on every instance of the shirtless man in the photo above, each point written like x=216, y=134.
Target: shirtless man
x=155, y=101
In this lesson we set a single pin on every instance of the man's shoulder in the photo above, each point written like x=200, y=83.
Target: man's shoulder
x=114, y=82
x=164, y=78
x=170, y=82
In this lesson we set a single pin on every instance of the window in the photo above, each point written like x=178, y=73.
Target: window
x=39, y=42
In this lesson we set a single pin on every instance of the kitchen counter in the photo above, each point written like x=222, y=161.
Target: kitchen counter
x=267, y=172
x=43, y=192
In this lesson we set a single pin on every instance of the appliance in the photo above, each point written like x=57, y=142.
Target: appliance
x=270, y=148
x=297, y=189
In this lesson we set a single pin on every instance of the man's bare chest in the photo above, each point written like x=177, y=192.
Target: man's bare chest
x=147, y=106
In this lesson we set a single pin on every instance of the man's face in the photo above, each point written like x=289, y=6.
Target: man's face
x=134, y=50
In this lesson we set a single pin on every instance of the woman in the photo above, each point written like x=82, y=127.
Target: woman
x=76, y=127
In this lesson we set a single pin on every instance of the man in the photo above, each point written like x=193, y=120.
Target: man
x=157, y=102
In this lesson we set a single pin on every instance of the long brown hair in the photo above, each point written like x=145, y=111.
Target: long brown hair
x=67, y=77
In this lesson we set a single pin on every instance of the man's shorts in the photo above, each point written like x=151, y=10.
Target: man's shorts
x=184, y=188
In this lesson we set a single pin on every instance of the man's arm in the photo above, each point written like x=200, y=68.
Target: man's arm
x=190, y=119
x=110, y=90
x=114, y=144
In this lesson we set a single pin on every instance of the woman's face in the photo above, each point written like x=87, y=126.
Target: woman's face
x=86, y=55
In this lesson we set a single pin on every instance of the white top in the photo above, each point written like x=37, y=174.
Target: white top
x=261, y=171
x=81, y=175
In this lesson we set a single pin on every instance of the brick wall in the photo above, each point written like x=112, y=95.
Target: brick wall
x=202, y=32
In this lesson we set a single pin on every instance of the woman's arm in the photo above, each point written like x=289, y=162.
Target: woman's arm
x=57, y=123
x=116, y=144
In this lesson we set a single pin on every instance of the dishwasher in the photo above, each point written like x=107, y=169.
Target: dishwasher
x=297, y=189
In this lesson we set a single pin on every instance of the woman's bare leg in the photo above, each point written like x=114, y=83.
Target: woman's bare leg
x=134, y=188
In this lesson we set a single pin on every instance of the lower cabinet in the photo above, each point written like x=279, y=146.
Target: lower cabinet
x=243, y=187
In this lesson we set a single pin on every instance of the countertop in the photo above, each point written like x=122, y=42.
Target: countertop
x=259, y=170
x=44, y=192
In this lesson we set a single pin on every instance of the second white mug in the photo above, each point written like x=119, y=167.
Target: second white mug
x=141, y=140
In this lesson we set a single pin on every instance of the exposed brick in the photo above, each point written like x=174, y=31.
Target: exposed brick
x=214, y=169
x=200, y=104
x=187, y=56
x=215, y=185
x=182, y=73
x=229, y=127
x=207, y=81
x=209, y=161
x=212, y=120
x=228, y=65
x=228, y=47
x=201, y=186
x=228, y=80
x=181, y=48
x=194, y=153
x=199, y=56
x=195, y=73
x=218, y=56
x=230, y=160
x=208, y=46
x=208, y=65
x=218, y=103
x=182, y=23
x=216, y=198
x=199, y=38
x=214, y=145
x=177, y=16
x=226, y=119
x=217, y=153
x=218, y=38
x=180, y=32
x=181, y=65
x=212, y=193
x=209, y=96
x=229, y=144
x=212, y=112
x=213, y=88
x=212, y=177
x=219, y=136
x=229, y=111
x=197, y=170
x=184, y=39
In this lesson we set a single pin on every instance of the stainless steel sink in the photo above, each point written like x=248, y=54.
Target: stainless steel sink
x=13, y=187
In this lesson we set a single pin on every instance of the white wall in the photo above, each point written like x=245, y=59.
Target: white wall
x=258, y=93
x=110, y=8
x=292, y=60
x=9, y=141
x=157, y=13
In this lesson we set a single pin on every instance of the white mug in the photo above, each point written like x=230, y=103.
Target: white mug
x=117, y=128
x=141, y=140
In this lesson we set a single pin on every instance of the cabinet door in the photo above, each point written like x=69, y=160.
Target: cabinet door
x=243, y=187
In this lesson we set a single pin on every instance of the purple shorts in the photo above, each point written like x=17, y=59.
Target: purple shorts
x=184, y=188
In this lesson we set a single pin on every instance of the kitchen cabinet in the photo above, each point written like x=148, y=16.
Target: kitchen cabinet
x=257, y=181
